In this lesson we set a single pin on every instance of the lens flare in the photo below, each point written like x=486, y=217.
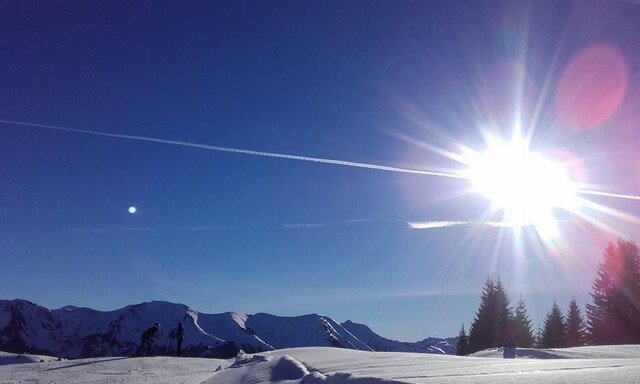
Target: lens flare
x=592, y=87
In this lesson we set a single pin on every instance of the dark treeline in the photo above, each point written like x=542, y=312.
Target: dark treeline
x=612, y=318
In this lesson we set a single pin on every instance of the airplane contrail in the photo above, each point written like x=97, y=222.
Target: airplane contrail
x=286, y=156
x=243, y=151
x=607, y=194
x=202, y=228
x=341, y=222
x=444, y=224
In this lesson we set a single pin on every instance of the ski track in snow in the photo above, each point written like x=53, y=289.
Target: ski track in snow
x=317, y=365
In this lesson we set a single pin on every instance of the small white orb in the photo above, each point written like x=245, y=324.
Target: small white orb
x=132, y=210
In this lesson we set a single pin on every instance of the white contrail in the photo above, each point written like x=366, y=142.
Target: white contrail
x=444, y=224
x=243, y=151
x=341, y=222
x=434, y=224
x=607, y=194
x=152, y=229
x=289, y=157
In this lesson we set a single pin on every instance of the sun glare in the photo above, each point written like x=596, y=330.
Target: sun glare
x=524, y=184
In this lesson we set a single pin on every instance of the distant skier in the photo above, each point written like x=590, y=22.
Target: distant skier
x=146, y=340
x=179, y=338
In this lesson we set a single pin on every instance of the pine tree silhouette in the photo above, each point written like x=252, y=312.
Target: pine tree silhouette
x=463, y=342
x=537, y=338
x=576, y=328
x=614, y=316
x=553, y=335
x=488, y=328
x=522, y=326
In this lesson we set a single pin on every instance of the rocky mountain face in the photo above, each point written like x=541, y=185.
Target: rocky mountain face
x=73, y=332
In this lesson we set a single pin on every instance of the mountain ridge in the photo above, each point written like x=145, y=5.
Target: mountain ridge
x=379, y=343
x=80, y=332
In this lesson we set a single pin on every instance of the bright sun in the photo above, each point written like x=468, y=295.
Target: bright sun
x=524, y=184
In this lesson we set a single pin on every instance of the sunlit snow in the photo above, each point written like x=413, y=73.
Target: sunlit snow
x=617, y=364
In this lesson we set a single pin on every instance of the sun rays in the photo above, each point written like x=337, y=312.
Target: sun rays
x=524, y=184
x=523, y=151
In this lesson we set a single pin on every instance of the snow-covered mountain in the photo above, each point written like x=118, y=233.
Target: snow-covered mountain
x=446, y=345
x=378, y=343
x=307, y=330
x=73, y=332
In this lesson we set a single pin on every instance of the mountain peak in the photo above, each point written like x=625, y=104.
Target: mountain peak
x=76, y=332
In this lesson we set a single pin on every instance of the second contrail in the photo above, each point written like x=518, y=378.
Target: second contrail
x=242, y=151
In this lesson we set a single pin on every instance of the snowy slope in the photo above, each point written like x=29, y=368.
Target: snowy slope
x=302, y=331
x=231, y=326
x=7, y=358
x=379, y=343
x=115, y=370
x=333, y=365
x=589, y=352
x=446, y=345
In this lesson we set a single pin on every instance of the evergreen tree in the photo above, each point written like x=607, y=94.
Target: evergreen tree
x=522, y=326
x=463, y=342
x=489, y=326
x=553, y=335
x=481, y=327
x=614, y=316
x=503, y=313
x=575, y=326
x=537, y=339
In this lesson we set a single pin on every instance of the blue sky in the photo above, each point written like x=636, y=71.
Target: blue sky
x=338, y=80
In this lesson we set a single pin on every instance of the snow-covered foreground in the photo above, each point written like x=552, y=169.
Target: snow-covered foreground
x=115, y=370
x=14, y=358
x=613, y=364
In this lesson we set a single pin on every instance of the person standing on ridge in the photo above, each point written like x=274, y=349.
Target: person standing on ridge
x=179, y=338
x=146, y=340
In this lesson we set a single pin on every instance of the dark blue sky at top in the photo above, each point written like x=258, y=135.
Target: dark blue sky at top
x=325, y=79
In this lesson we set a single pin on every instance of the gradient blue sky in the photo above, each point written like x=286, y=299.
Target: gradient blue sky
x=332, y=79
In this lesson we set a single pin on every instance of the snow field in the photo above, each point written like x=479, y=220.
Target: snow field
x=14, y=358
x=316, y=365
